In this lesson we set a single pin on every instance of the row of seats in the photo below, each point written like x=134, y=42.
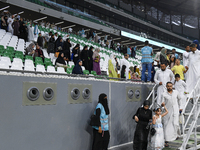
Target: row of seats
x=28, y=65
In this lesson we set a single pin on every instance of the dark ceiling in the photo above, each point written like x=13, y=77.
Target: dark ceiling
x=175, y=7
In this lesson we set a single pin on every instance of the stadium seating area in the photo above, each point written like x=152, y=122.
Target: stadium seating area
x=12, y=52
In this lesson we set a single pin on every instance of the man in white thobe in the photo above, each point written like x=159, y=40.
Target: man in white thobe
x=185, y=58
x=10, y=21
x=126, y=63
x=193, y=66
x=172, y=100
x=161, y=78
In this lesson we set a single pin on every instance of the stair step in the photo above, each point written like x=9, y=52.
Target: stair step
x=189, y=127
x=187, y=114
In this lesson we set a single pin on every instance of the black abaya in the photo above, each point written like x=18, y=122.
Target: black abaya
x=66, y=50
x=99, y=142
x=141, y=133
x=85, y=59
x=91, y=60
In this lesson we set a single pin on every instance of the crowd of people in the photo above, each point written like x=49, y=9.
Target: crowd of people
x=172, y=93
x=65, y=51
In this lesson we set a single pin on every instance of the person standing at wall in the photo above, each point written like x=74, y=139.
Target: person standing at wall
x=147, y=60
x=101, y=135
x=142, y=118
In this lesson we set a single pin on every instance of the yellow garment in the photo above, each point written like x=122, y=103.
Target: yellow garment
x=179, y=70
x=129, y=75
x=138, y=71
x=167, y=58
x=111, y=68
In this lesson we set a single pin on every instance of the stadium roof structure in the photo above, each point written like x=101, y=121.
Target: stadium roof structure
x=177, y=7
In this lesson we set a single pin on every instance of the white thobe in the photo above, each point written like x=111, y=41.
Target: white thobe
x=193, y=70
x=30, y=33
x=126, y=63
x=10, y=21
x=157, y=57
x=171, y=120
x=185, y=61
x=55, y=37
x=181, y=87
x=164, y=77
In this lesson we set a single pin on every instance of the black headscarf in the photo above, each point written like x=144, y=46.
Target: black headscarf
x=104, y=102
x=123, y=71
x=146, y=103
x=60, y=59
x=135, y=68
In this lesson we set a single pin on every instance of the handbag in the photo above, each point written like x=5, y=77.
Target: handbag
x=153, y=131
x=94, y=120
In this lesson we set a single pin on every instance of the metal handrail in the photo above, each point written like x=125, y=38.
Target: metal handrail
x=151, y=92
x=193, y=124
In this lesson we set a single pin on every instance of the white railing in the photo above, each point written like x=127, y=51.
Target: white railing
x=194, y=96
x=152, y=93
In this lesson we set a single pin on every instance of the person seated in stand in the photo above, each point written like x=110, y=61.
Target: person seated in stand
x=133, y=76
x=39, y=52
x=60, y=62
x=30, y=49
x=77, y=69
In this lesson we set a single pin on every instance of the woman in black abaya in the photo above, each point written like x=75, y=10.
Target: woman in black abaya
x=142, y=118
x=101, y=135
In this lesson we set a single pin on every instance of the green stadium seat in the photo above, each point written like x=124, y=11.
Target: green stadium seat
x=19, y=52
x=46, y=65
x=94, y=73
x=47, y=61
x=1, y=47
x=86, y=72
x=39, y=63
x=38, y=59
x=10, y=48
x=72, y=66
x=8, y=55
x=20, y=56
x=28, y=57
x=69, y=70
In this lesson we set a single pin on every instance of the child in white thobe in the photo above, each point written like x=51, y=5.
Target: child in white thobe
x=181, y=87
